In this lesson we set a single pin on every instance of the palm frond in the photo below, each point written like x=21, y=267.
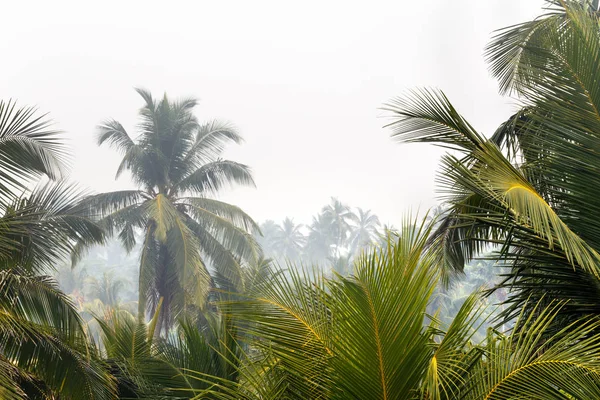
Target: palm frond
x=211, y=178
x=28, y=148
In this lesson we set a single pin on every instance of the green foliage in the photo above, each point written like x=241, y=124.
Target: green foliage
x=29, y=149
x=44, y=351
x=368, y=336
x=531, y=189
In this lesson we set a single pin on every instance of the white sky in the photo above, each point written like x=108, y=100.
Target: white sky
x=301, y=80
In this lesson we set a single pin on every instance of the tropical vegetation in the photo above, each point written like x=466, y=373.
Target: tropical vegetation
x=166, y=292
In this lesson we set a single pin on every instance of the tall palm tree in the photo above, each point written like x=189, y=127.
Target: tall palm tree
x=267, y=237
x=289, y=240
x=531, y=189
x=340, y=217
x=175, y=162
x=365, y=231
x=320, y=241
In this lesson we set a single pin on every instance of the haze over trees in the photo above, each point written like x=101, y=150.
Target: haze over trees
x=337, y=234
x=169, y=293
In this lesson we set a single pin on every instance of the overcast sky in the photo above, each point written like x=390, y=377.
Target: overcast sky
x=302, y=81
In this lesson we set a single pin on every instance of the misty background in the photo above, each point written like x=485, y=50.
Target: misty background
x=301, y=81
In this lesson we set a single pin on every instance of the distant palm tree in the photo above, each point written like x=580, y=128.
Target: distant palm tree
x=319, y=246
x=107, y=289
x=175, y=161
x=365, y=231
x=289, y=240
x=340, y=217
x=267, y=237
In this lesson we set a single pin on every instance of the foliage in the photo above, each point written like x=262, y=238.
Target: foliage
x=44, y=351
x=367, y=336
x=29, y=149
x=530, y=189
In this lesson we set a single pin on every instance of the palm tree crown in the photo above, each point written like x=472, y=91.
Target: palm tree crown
x=289, y=240
x=339, y=216
x=175, y=162
x=365, y=231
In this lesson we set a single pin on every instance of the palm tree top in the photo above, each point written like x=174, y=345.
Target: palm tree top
x=173, y=152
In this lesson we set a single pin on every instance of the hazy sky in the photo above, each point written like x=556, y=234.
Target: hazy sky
x=301, y=80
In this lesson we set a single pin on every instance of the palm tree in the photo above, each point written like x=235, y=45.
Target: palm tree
x=320, y=240
x=367, y=336
x=175, y=162
x=267, y=237
x=531, y=190
x=339, y=216
x=365, y=231
x=106, y=289
x=289, y=240
x=43, y=346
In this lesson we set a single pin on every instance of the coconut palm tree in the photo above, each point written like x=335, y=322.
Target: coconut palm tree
x=340, y=217
x=267, y=237
x=365, y=231
x=531, y=189
x=320, y=241
x=289, y=240
x=175, y=162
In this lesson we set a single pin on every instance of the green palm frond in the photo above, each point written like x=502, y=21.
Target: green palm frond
x=114, y=133
x=41, y=334
x=232, y=214
x=45, y=225
x=508, y=53
x=529, y=363
x=210, y=142
x=211, y=178
x=29, y=148
x=428, y=116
